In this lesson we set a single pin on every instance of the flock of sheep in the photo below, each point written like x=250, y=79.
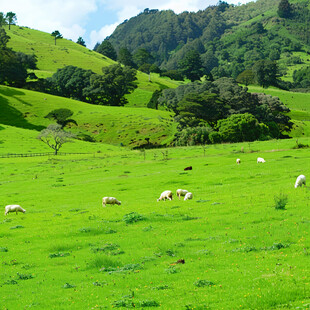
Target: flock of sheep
x=301, y=180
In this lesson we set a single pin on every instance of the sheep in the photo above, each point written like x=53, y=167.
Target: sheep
x=165, y=195
x=238, y=161
x=301, y=180
x=188, y=195
x=181, y=192
x=14, y=208
x=110, y=201
x=260, y=160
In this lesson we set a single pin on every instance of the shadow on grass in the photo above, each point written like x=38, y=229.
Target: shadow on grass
x=11, y=116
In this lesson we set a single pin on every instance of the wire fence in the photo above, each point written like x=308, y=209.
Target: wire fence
x=12, y=155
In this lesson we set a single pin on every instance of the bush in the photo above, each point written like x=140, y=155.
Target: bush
x=280, y=201
x=132, y=217
x=193, y=136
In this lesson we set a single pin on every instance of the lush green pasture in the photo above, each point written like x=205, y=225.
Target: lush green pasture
x=68, y=252
x=113, y=125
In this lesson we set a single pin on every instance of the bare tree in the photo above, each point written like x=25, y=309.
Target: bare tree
x=54, y=136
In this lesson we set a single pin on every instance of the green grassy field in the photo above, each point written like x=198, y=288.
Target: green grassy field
x=68, y=252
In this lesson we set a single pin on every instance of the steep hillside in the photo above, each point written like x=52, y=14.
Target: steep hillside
x=52, y=57
x=229, y=38
x=113, y=125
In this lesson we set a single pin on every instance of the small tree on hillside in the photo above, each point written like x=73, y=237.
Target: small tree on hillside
x=61, y=116
x=56, y=34
x=81, y=41
x=11, y=18
x=55, y=137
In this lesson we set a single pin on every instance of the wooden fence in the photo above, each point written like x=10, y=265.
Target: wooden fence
x=11, y=155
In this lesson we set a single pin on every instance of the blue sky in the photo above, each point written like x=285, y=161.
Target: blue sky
x=93, y=20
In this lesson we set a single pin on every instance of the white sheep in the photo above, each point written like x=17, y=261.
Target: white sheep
x=188, y=195
x=110, y=201
x=181, y=192
x=238, y=161
x=301, y=180
x=165, y=195
x=260, y=160
x=14, y=208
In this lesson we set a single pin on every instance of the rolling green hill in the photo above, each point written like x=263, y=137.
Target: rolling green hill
x=52, y=57
x=113, y=125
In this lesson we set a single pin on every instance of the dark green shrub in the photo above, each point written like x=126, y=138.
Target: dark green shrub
x=132, y=217
x=203, y=283
x=280, y=201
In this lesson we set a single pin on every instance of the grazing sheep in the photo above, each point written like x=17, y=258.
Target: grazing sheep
x=165, y=195
x=188, y=168
x=238, y=161
x=181, y=192
x=260, y=160
x=188, y=195
x=301, y=180
x=110, y=201
x=14, y=208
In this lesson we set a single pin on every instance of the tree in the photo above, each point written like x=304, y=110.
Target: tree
x=246, y=77
x=265, y=72
x=125, y=57
x=191, y=66
x=284, y=9
x=2, y=19
x=11, y=18
x=142, y=56
x=241, y=127
x=61, y=116
x=70, y=82
x=111, y=87
x=195, y=109
x=107, y=49
x=81, y=41
x=56, y=34
x=54, y=136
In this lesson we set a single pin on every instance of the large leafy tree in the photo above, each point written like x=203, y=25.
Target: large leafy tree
x=125, y=57
x=70, y=82
x=191, y=66
x=13, y=66
x=57, y=35
x=265, y=72
x=11, y=18
x=111, y=87
x=107, y=49
x=142, y=56
x=195, y=109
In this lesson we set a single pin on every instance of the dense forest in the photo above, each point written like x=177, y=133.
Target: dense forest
x=229, y=41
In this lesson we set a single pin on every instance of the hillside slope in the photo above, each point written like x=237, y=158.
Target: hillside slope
x=113, y=125
x=52, y=57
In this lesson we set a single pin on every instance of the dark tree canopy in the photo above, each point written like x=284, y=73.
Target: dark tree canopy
x=61, y=116
x=125, y=57
x=265, y=72
x=284, y=9
x=81, y=41
x=111, y=87
x=191, y=66
x=107, y=49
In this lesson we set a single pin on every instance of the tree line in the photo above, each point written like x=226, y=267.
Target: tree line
x=223, y=111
